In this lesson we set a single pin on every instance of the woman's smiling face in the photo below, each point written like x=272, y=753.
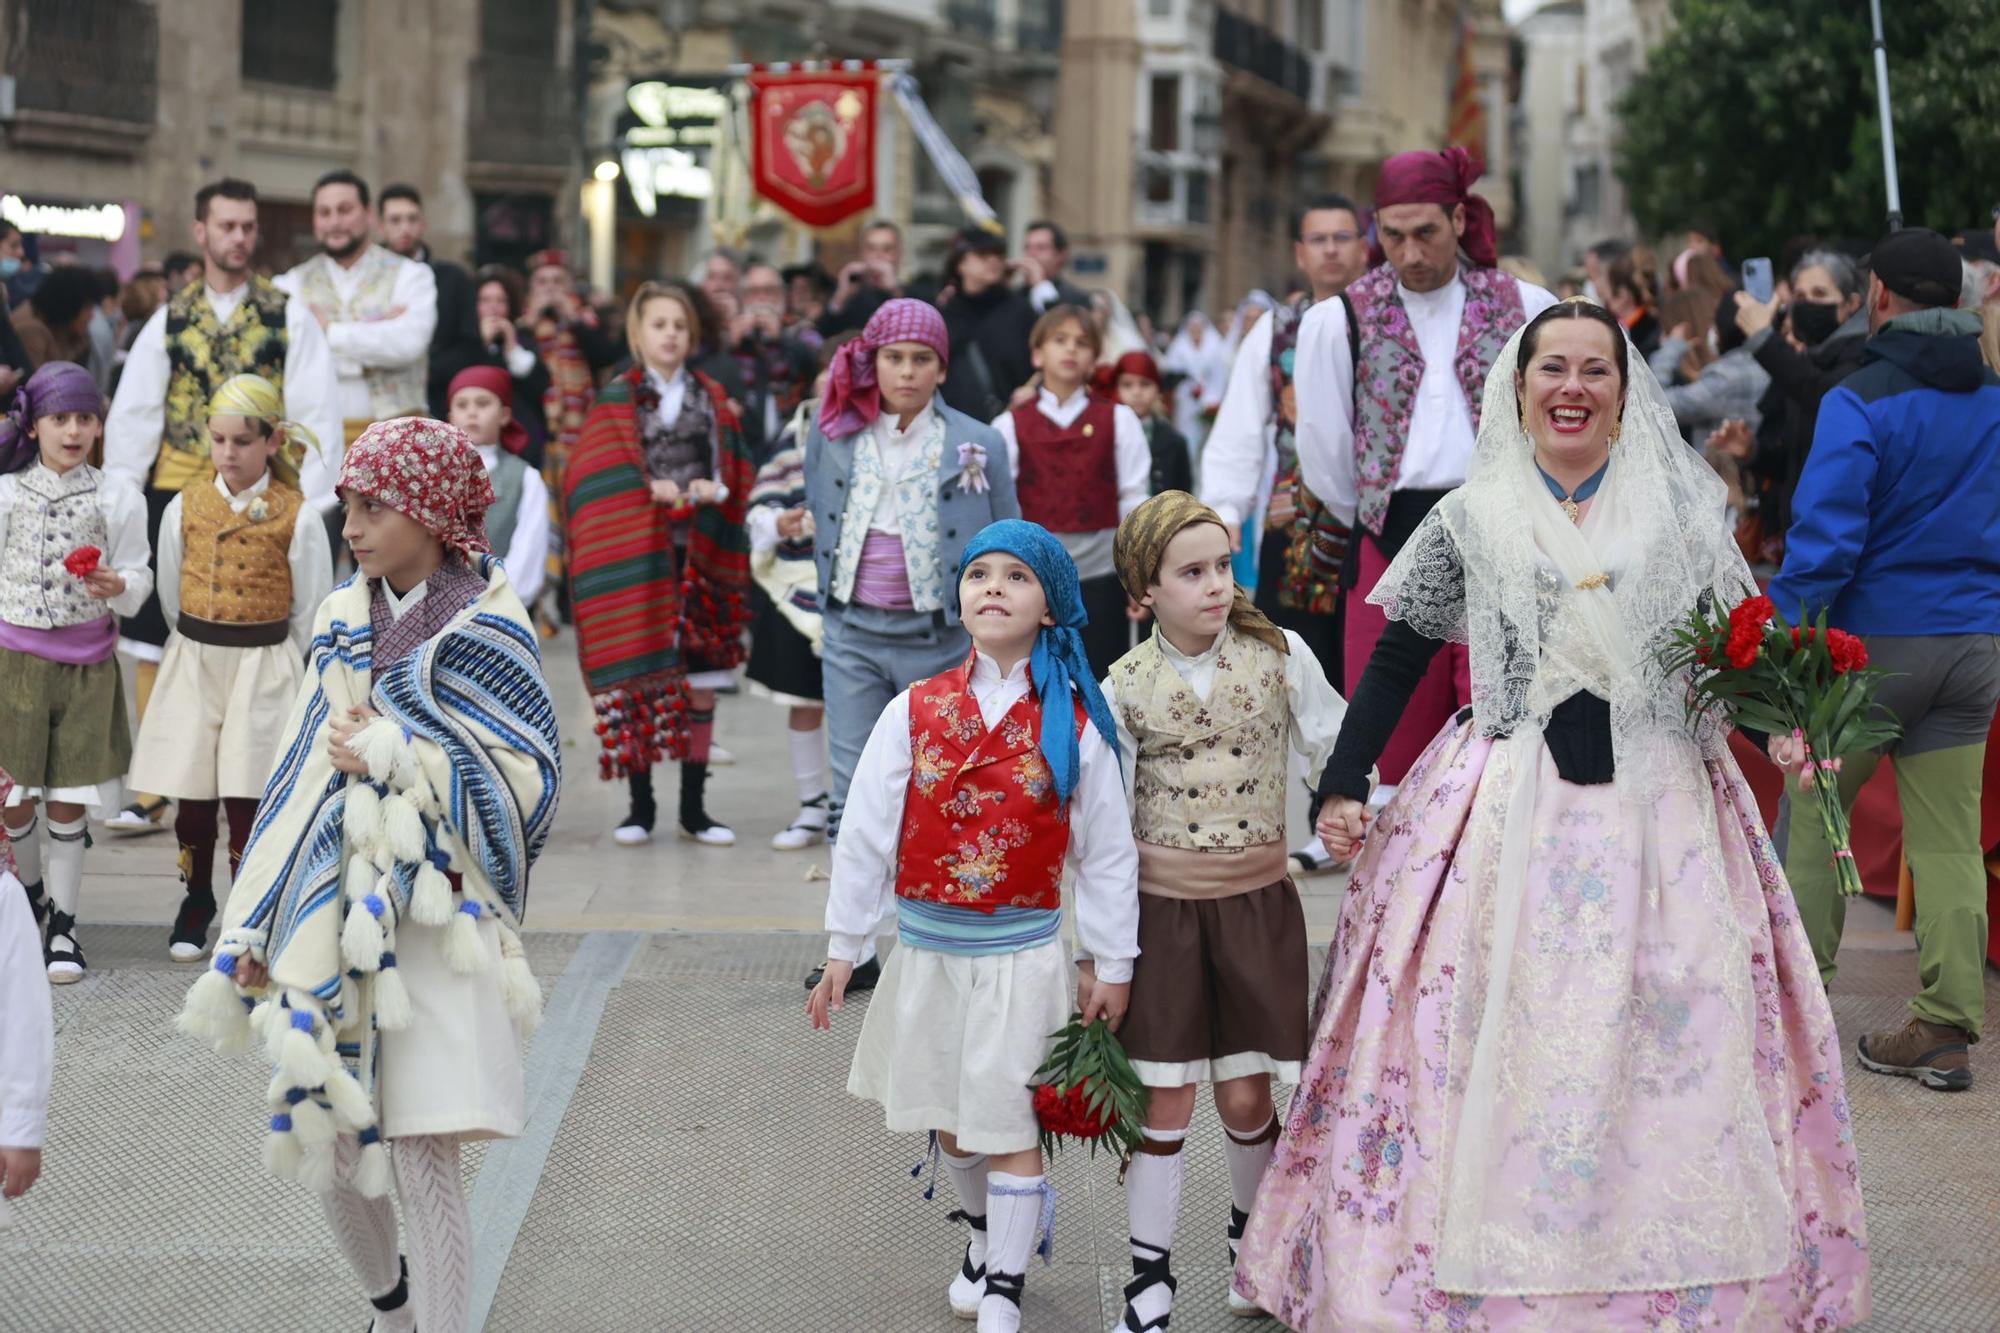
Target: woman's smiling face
x=1572, y=391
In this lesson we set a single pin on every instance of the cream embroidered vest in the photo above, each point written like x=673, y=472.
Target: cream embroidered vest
x=916, y=512
x=1207, y=774
x=393, y=391
x=53, y=515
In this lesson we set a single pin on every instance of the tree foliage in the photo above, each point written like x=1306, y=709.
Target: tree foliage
x=1761, y=115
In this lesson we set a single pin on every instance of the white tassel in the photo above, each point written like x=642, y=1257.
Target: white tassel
x=361, y=941
x=392, y=1000
x=362, y=820
x=359, y=879
x=312, y=1124
x=316, y=1168
x=462, y=946
x=430, y=898
x=371, y=1175
x=388, y=756
x=518, y=986
x=351, y=1107
x=402, y=829
x=422, y=795
x=281, y=1154
x=300, y=1062
x=214, y=1014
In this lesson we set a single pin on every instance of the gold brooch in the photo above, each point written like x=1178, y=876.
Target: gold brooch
x=1572, y=509
x=1590, y=581
x=1089, y=429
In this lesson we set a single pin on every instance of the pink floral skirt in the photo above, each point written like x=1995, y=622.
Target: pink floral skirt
x=1661, y=1093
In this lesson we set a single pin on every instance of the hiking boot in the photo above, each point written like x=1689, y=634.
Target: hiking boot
x=1933, y=1054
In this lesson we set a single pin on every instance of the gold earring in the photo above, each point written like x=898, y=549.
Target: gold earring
x=1524, y=419
x=1617, y=427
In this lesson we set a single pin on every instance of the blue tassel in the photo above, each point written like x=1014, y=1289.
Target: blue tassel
x=281, y=1124
x=302, y=1020
x=225, y=963
x=930, y=1159
x=373, y=902
x=293, y=1096
x=1047, y=1249
x=372, y=1134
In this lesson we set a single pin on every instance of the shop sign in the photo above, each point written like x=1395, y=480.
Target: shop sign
x=89, y=222
x=665, y=155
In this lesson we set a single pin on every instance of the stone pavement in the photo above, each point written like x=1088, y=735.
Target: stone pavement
x=692, y=1161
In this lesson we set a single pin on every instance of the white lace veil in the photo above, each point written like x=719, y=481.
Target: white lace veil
x=1496, y=566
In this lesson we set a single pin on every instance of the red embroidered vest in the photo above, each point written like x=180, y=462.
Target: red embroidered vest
x=982, y=827
x=1068, y=478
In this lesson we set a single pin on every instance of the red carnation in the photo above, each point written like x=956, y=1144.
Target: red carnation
x=1752, y=612
x=1848, y=652
x=83, y=561
x=1744, y=643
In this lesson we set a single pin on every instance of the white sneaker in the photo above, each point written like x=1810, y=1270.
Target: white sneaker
x=715, y=835
x=719, y=757
x=137, y=818
x=631, y=835
x=183, y=952
x=808, y=830
x=967, y=1290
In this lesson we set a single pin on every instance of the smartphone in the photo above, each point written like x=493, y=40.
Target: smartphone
x=1757, y=279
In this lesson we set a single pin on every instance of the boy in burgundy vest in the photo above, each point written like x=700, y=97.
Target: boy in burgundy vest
x=1081, y=463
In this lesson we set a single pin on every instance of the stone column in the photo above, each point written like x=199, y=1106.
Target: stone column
x=1094, y=190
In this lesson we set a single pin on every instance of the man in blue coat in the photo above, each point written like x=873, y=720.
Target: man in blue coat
x=1896, y=536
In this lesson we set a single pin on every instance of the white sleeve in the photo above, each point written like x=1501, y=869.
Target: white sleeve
x=1043, y=295
x=130, y=554
x=1324, y=380
x=520, y=361
x=1004, y=423
x=139, y=413
x=528, y=552
x=312, y=398
x=312, y=574
x=1104, y=860
x=27, y=1025
x=1534, y=300
x=1317, y=708
x=871, y=827
x=1135, y=460
x=762, y=523
x=385, y=344
x=1232, y=459
x=167, y=563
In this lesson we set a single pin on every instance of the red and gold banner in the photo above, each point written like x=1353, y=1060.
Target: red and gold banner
x=812, y=143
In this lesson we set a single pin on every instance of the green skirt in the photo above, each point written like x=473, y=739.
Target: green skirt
x=62, y=725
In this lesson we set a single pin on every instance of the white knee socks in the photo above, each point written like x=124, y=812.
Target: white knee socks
x=968, y=1180
x=1153, y=1202
x=1248, y=1156
x=1014, y=1206
x=63, y=863
x=365, y=1231
x=809, y=766
x=27, y=843
x=440, y=1227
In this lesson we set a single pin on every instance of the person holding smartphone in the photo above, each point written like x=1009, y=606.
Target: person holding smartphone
x=864, y=285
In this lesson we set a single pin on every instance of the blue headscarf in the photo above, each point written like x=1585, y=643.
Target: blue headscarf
x=1058, y=662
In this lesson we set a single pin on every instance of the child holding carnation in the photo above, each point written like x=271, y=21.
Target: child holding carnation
x=977, y=788
x=73, y=558
x=369, y=937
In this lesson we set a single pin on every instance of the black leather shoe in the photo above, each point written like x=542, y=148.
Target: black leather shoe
x=864, y=977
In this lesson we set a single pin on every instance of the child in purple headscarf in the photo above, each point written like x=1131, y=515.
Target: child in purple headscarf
x=73, y=558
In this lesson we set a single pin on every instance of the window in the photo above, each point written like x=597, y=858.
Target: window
x=1164, y=125
x=1309, y=24
x=291, y=42
x=519, y=28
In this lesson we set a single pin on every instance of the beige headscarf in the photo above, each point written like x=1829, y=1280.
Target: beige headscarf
x=1141, y=543
x=256, y=397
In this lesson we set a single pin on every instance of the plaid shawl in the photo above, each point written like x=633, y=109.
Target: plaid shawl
x=638, y=612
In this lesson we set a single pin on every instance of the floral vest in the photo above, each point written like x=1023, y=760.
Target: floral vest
x=236, y=569
x=982, y=827
x=1207, y=775
x=52, y=517
x=916, y=514
x=203, y=353
x=393, y=391
x=1392, y=366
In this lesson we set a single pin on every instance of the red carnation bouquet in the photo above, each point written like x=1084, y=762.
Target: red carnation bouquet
x=1809, y=682
x=83, y=561
x=1088, y=1090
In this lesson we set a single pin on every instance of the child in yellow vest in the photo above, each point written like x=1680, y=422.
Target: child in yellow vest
x=243, y=566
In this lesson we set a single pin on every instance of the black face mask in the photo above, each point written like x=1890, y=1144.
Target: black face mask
x=1814, y=321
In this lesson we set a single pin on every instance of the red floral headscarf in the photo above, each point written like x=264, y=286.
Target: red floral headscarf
x=428, y=470
x=853, y=398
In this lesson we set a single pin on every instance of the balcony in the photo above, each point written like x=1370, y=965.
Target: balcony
x=972, y=20
x=1255, y=49
x=1174, y=191
x=1039, y=28
x=85, y=73
x=520, y=113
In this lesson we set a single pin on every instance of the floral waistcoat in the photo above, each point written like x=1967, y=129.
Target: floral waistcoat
x=1392, y=366
x=1207, y=774
x=53, y=515
x=982, y=827
x=393, y=391
x=1285, y=322
x=202, y=354
x=916, y=513
x=236, y=569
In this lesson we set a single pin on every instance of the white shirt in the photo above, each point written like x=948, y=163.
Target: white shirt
x=311, y=563
x=400, y=603
x=126, y=549
x=527, y=553
x=673, y=394
x=138, y=414
x=1092, y=550
x=898, y=449
x=378, y=344
x=1102, y=857
x=1239, y=450
x=27, y=1026
x=1441, y=441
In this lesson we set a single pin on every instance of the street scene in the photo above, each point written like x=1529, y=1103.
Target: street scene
x=1010, y=664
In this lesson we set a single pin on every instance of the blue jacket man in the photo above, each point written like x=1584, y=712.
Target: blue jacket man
x=1896, y=537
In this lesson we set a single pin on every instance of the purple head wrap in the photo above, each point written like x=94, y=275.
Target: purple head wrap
x=59, y=386
x=1444, y=179
x=853, y=399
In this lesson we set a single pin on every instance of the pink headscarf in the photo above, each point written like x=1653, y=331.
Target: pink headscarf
x=428, y=470
x=1445, y=179
x=853, y=400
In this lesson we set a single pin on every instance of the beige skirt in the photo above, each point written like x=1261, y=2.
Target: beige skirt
x=951, y=1041
x=457, y=1068
x=215, y=720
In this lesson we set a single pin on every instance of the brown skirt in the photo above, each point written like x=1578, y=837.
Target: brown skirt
x=1221, y=988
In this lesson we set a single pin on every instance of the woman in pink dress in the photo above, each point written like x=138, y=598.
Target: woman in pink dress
x=1573, y=1067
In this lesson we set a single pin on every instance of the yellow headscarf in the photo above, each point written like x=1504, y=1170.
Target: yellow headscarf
x=256, y=397
x=1141, y=544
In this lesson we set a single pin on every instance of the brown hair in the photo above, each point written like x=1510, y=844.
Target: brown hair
x=663, y=291
x=1059, y=315
x=511, y=282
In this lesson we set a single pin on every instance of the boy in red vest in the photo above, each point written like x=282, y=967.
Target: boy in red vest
x=1081, y=463
x=976, y=788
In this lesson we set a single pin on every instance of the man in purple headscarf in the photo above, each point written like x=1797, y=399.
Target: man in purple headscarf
x=1389, y=413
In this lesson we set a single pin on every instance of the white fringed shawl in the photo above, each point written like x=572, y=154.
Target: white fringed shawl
x=464, y=774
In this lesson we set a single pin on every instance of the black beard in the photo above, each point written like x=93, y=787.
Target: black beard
x=348, y=251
